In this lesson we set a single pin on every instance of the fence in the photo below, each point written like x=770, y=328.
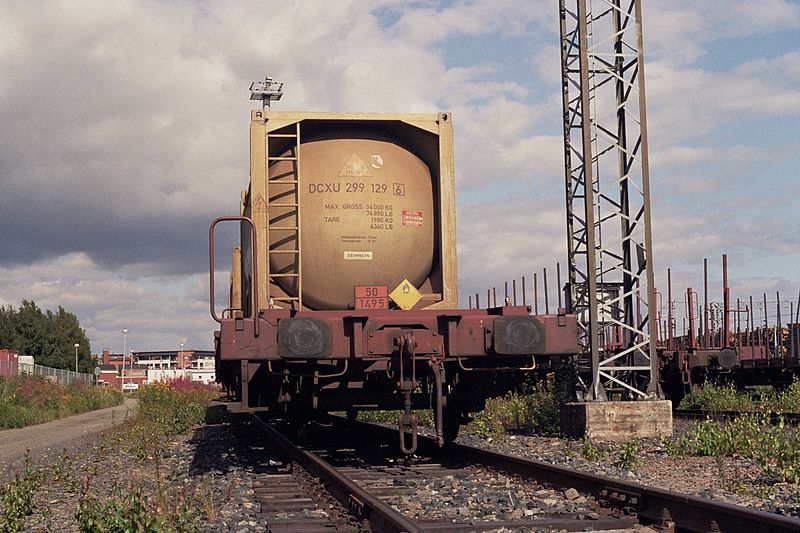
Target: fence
x=13, y=368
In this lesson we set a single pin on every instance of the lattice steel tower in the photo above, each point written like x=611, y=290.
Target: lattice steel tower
x=610, y=284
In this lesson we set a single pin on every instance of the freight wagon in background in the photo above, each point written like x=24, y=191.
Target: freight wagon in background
x=343, y=291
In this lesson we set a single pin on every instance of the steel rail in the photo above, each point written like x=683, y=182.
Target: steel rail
x=774, y=418
x=380, y=515
x=689, y=513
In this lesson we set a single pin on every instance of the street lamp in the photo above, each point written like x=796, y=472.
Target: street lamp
x=124, y=350
x=180, y=358
x=76, y=358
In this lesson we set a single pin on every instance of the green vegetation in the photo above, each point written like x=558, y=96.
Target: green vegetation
x=134, y=512
x=151, y=503
x=590, y=451
x=715, y=397
x=774, y=447
x=535, y=410
x=623, y=455
x=26, y=400
x=174, y=408
x=626, y=454
x=49, y=337
x=16, y=499
x=424, y=416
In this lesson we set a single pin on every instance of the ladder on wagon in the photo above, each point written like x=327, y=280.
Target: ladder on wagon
x=283, y=212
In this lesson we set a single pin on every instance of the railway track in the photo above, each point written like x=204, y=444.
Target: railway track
x=700, y=414
x=347, y=477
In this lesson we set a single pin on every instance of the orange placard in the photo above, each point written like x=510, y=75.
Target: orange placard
x=372, y=297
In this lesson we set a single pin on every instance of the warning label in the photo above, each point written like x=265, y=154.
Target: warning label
x=412, y=218
x=350, y=255
x=355, y=168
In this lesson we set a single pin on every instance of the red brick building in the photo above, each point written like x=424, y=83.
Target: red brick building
x=116, y=369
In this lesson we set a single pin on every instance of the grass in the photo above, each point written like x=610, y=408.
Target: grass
x=145, y=502
x=726, y=397
x=534, y=410
x=773, y=447
x=27, y=400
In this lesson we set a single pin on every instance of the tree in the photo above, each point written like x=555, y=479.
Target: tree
x=8, y=331
x=49, y=337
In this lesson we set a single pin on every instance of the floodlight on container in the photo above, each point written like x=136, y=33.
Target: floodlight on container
x=266, y=91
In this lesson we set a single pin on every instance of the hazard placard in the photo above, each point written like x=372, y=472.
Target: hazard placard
x=412, y=218
x=405, y=295
x=355, y=168
x=372, y=297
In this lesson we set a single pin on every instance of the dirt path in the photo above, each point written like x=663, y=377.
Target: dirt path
x=56, y=434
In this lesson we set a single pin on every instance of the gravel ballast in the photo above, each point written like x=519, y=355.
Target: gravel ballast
x=735, y=480
x=214, y=473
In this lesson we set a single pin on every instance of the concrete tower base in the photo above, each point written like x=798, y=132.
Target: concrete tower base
x=617, y=421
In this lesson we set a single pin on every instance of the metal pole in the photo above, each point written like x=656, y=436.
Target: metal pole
x=753, y=322
x=124, y=349
x=791, y=330
x=766, y=321
x=514, y=290
x=535, y=294
x=725, y=303
x=558, y=283
x=669, y=308
x=76, y=360
x=524, y=295
x=544, y=281
x=690, y=305
x=705, y=303
x=778, y=327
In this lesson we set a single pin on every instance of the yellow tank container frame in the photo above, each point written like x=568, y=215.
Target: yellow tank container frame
x=345, y=200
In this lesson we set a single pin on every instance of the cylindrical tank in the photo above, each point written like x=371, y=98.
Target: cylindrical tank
x=366, y=218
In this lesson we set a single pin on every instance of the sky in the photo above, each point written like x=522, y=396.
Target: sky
x=124, y=133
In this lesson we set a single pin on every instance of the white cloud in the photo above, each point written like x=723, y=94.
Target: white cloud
x=158, y=311
x=125, y=133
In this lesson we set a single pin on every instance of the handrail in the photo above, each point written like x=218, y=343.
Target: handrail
x=253, y=268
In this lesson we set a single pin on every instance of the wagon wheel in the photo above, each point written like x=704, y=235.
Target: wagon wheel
x=451, y=423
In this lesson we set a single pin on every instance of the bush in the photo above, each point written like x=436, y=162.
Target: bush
x=789, y=399
x=712, y=397
x=175, y=407
x=26, y=400
x=536, y=410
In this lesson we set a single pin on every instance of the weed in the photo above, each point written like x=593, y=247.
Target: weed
x=789, y=399
x=175, y=407
x=590, y=452
x=774, y=448
x=677, y=448
x=134, y=511
x=627, y=454
x=16, y=499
